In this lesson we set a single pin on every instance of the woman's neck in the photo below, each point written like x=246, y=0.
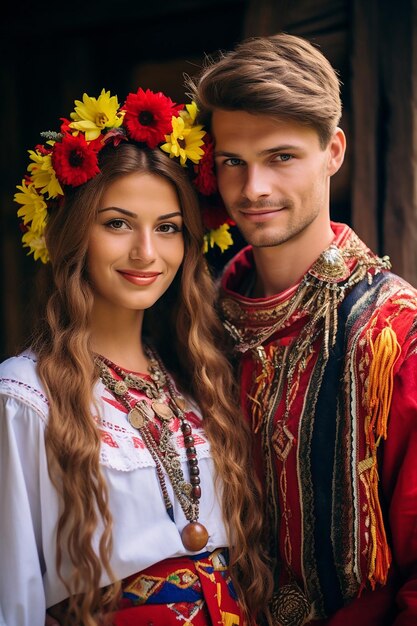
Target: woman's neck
x=119, y=338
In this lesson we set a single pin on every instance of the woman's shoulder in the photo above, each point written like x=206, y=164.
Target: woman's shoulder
x=19, y=380
x=20, y=367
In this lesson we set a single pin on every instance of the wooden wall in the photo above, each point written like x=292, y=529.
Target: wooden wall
x=384, y=89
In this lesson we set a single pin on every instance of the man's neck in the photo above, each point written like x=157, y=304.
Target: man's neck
x=280, y=267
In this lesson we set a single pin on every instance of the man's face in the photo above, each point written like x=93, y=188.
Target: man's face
x=273, y=174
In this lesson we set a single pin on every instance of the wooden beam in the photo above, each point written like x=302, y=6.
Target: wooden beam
x=365, y=101
x=398, y=54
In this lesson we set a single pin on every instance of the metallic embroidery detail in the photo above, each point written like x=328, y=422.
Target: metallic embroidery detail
x=317, y=297
x=289, y=606
x=143, y=587
x=282, y=440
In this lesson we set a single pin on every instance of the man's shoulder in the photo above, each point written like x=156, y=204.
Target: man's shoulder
x=387, y=301
x=392, y=277
x=385, y=287
x=395, y=290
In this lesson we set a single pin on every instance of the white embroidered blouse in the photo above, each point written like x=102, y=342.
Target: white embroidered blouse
x=143, y=533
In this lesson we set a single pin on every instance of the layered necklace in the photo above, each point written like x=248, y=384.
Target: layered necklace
x=152, y=420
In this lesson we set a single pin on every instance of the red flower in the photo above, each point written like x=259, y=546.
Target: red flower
x=214, y=213
x=205, y=180
x=74, y=160
x=148, y=116
x=43, y=150
x=115, y=136
x=65, y=126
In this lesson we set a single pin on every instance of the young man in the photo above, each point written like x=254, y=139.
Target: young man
x=327, y=343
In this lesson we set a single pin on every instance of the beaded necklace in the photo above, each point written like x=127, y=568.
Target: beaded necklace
x=165, y=404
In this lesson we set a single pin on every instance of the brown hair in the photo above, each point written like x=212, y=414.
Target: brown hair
x=282, y=76
x=189, y=347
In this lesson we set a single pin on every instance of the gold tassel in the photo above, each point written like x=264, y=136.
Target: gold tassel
x=230, y=619
x=261, y=385
x=385, y=352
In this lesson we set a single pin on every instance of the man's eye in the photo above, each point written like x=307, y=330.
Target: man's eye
x=232, y=161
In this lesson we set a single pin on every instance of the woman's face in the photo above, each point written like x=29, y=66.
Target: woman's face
x=136, y=244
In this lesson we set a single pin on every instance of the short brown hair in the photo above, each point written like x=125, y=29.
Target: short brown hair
x=282, y=76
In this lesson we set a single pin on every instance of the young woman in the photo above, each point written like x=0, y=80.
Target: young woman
x=126, y=490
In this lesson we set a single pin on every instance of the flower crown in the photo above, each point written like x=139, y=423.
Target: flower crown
x=70, y=157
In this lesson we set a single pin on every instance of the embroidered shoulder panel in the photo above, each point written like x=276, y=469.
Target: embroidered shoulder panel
x=19, y=380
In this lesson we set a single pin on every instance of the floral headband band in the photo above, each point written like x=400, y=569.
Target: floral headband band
x=70, y=157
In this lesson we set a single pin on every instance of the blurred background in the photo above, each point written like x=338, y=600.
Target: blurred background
x=51, y=53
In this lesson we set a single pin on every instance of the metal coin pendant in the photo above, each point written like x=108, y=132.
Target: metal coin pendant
x=136, y=418
x=194, y=536
x=139, y=414
x=162, y=410
x=180, y=402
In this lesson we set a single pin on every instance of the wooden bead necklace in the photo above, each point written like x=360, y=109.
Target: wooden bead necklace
x=165, y=404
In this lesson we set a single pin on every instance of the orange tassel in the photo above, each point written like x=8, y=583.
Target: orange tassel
x=385, y=352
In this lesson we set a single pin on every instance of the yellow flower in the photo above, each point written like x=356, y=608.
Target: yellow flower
x=220, y=237
x=92, y=115
x=189, y=114
x=36, y=244
x=43, y=174
x=33, y=209
x=184, y=141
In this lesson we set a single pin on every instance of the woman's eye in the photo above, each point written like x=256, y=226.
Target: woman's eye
x=117, y=224
x=169, y=228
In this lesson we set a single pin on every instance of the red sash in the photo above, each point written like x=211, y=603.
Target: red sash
x=183, y=591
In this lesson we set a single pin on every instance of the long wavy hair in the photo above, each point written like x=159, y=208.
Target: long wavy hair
x=184, y=328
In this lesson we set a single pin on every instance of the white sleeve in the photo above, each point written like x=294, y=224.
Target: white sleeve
x=2, y=620
x=22, y=458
